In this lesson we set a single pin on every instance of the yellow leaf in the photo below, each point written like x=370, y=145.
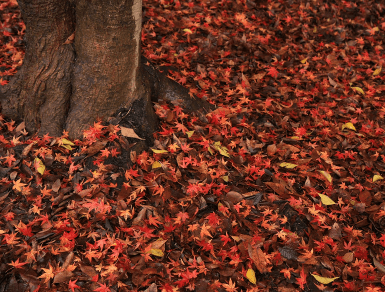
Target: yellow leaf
x=187, y=31
x=315, y=30
x=40, y=166
x=326, y=200
x=326, y=175
x=377, y=177
x=324, y=280
x=304, y=60
x=225, y=178
x=157, y=252
x=377, y=71
x=236, y=238
x=67, y=142
x=189, y=133
x=287, y=165
x=358, y=89
x=250, y=275
x=222, y=150
x=296, y=138
x=156, y=164
x=349, y=126
x=159, y=151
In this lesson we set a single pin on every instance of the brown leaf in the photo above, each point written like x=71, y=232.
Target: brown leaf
x=271, y=149
x=139, y=219
x=277, y=188
x=56, y=186
x=335, y=232
x=152, y=288
x=88, y=270
x=63, y=277
x=234, y=197
x=129, y=133
x=96, y=147
x=365, y=197
x=258, y=257
x=348, y=257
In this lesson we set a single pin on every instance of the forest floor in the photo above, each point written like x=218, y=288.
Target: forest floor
x=282, y=189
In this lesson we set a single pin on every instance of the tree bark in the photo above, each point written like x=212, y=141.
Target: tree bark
x=40, y=91
x=66, y=84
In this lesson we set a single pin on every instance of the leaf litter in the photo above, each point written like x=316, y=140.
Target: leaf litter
x=281, y=187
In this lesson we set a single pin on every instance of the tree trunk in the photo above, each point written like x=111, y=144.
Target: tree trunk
x=83, y=63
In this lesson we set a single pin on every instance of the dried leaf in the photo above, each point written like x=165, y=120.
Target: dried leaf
x=156, y=164
x=288, y=252
x=377, y=71
x=157, y=252
x=271, y=149
x=349, y=126
x=129, y=133
x=234, y=197
x=377, y=177
x=288, y=165
x=40, y=167
x=189, y=134
x=250, y=275
x=348, y=257
x=359, y=90
x=326, y=200
x=323, y=280
x=326, y=175
x=258, y=257
x=159, y=151
x=222, y=150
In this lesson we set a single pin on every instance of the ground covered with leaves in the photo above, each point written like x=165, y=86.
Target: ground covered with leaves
x=280, y=189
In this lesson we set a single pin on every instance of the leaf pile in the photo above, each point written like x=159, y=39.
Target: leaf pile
x=281, y=187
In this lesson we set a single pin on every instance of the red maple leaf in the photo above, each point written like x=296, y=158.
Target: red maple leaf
x=272, y=71
x=301, y=281
x=72, y=285
x=102, y=288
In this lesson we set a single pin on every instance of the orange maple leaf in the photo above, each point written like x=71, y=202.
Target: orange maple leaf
x=48, y=273
x=17, y=264
x=230, y=287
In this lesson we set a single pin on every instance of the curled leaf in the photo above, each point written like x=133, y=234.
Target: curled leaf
x=324, y=280
x=377, y=71
x=159, y=151
x=359, y=90
x=326, y=200
x=349, y=126
x=40, y=167
x=287, y=165
x=222, y=150
x=189, y=133
x=250, y=275
x=326, y=175
x=377, y=177
x=157, y=252
x=130, y=133
x=156, y=164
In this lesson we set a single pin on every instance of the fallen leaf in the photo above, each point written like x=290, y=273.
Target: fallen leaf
x=129, y=133
x=349, y=126
x=288, y=165
x=250, y=275
x=323, y=280
x=326, y=200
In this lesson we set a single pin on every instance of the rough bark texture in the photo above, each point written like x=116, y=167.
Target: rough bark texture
x=40, y=91
x=106, y=72
x=70, y=85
